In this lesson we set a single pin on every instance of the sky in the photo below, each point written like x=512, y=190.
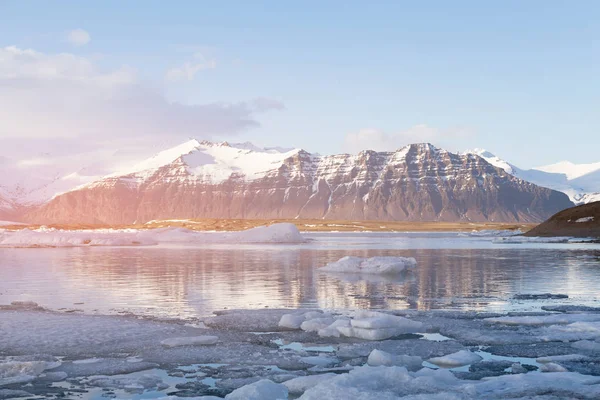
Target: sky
x=87, y=80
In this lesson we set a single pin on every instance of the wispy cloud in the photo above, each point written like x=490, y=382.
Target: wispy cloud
x=78, y=37
x=189, y=69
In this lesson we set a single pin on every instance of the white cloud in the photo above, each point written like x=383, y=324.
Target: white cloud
x=189, y=69
x=378, y=140
x=65, y=104
x=78, y=37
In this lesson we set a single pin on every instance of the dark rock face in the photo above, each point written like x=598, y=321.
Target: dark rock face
x=416, y=183
x=580, y=221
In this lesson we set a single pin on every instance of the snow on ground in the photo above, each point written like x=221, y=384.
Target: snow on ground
x=373, y=265
x=585, y=219
x=128, y=355
x=51, y=237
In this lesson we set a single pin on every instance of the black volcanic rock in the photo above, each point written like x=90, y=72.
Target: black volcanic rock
x=580, y=221
x=416, y=183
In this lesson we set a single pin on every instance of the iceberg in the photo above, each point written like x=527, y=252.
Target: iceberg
x=373, y=265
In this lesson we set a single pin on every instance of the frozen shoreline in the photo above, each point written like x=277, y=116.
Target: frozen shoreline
x=51, y=237
x=436, y=354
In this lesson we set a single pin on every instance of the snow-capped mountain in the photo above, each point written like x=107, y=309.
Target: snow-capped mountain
x=581, y=182
x=222, y=180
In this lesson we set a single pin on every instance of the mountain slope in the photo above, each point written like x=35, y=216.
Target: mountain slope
x=581, y=182
x=219, y=180
x=580, y=221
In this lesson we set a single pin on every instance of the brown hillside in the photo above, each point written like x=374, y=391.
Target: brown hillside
x=565, y=222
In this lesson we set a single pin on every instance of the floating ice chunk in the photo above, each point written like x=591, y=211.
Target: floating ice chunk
x=384, y=383
x=20, y=371
x=261, y=390
x=292, y=321
x=88, y=361
x=320, y=361
x=378, y=357
x=564, y=384
x=53, y=376
x=376, y=320
x=458, y=359
x=332, y=330
x=587, y=345
x=517, y=368
x=572, y=332
x=190, y=341
x=553, y=367
x=370, y=334
x=299, y=385
x=374, y=265
x=369, y=325
x=131, y=385
x=316, y=324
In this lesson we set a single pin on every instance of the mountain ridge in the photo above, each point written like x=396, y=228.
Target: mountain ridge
x=418, y=182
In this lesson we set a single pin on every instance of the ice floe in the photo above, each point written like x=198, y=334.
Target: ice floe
x=373, y=265
x=243, y=363
x=51, y=237
x=458, y=359
x=367, y=325
x=379, y=357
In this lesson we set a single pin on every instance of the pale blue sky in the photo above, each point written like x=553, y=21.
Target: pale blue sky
x=519, y=78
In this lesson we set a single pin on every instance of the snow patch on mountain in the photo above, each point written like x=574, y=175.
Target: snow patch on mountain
x=581, y=182
x=212, y=162
x=571, y=170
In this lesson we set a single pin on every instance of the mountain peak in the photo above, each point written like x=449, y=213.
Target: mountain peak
x=427, y=147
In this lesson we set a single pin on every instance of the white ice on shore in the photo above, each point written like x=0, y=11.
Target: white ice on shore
x=536, y=239
x=366, y=325
x=496, y=233
x=52, y=237
x=373, y=265
x=458, y=359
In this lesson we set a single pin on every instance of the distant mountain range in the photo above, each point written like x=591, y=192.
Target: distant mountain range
x=419, y=182
x=581, y=182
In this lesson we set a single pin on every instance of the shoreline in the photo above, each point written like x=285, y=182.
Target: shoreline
x=303, y=225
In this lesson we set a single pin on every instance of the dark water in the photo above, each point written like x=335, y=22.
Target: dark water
x=454, y=272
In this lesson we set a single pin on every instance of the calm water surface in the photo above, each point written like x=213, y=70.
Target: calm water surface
x=184, y=281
